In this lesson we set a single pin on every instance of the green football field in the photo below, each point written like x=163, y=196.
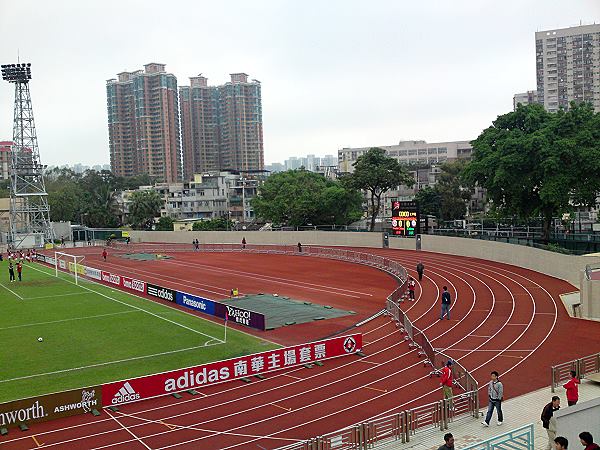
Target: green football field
x=94, y=334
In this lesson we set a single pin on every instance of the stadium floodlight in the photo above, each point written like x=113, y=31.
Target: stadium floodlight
x=16, y=73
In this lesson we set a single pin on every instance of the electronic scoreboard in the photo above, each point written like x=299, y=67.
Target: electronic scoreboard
x=405, y=218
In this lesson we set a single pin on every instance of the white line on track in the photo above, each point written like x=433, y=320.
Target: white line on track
x=66, y=320
x=127, y=429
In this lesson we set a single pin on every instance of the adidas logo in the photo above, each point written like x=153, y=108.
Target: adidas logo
x=125, y=394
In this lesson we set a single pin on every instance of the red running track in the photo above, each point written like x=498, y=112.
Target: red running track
x=504, y=318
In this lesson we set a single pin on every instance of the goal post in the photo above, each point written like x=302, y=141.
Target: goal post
x=72, y=264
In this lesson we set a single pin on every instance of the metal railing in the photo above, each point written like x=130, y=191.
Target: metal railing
x=519, y=439
x=589, y=269
x=582, y=367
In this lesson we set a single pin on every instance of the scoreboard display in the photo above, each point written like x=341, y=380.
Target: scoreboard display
x=405, y=218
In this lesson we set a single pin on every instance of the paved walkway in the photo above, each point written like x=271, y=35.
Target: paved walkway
x=517, y=412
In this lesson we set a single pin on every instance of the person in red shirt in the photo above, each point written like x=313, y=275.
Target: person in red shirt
x=411, y=288
x=104, y=254
x=587, y=440
x=19, y=269
x=446, y=382
x=572, y=389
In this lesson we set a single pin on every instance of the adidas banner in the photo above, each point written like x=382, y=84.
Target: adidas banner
x=142, y=388
x=160, y=292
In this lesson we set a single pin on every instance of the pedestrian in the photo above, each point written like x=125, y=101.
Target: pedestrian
x=11, y=272
x=1, y=257
x=411, y=288
x=420, y=269
x=587, y=440
x=62, y=241
x=19, y=269
x=495, y=396
x=572, y=389
x=197, y=244
x=449, y=442
x=127, y=240
x=561, y=443
x=299, y=247
x=104, y=254
x=445, y=303
x=549, y=421
x=446, y=382
x=244, y=242
x=89, y=240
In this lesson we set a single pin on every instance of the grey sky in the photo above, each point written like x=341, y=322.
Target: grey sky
x=334, y=73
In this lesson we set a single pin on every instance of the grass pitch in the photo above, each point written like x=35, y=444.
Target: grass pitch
x=94, y=334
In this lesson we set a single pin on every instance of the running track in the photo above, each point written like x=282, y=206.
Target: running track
x=503, y=318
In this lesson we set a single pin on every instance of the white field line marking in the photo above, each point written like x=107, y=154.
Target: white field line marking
x=52, y=296
x=135, y=307
x=11, y=291
x=273, y=279
x=170, y=308
x=127, y=429
x=482, y=350
x=65, y=320
x=194, y=411
x=73, y=369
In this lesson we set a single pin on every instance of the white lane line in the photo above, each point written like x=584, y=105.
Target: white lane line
x=127, y=429
x=53, y=296
x=10, y=290
x=65, y=320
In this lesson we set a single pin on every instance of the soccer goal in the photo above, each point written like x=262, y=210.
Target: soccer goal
x=72, y=264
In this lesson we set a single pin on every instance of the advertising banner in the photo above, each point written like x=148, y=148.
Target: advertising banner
x=50, y=407
x=96, y=274
x=80, y=268
x=242, y=316
x=136, y=389
x=40, y=257
x=111, y=278
x=160, y=292
x=196, y=303
x=133, y=284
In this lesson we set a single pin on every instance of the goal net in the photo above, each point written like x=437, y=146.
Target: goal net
x=71, y=264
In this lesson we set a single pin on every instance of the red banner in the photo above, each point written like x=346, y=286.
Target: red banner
x=136, y=389
x=111, y=278
x=133, y=285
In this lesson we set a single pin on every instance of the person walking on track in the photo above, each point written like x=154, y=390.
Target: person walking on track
x=446, y=382
x=11, y=272
x=104, y=254
x=572, y=389
x=549, y=421
x=445, y=303
x=244, y=242
x=495, y=395
x=420, y=269
x=411, y=288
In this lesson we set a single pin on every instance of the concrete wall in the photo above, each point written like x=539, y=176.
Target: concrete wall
x=572, y=420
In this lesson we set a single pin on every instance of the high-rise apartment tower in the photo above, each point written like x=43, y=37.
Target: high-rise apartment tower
x=143, y=124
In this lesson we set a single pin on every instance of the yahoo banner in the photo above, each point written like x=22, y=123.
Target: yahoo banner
x=136, y=389
x=242, y=316
x=196, y=303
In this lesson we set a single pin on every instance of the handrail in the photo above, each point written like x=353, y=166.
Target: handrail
x=583, y=366
x=521, y=438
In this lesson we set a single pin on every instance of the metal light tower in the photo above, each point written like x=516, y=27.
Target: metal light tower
x=29, y=210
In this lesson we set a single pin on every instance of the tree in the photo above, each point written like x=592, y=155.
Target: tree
x=4, y=188
x=300, y=197
x=535, y=163
x=165, y=223
x=453, y=195
x=430, y=201
x=377, y=173
x=145, y=206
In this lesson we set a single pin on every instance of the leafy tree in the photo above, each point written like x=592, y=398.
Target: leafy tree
x=430, y=201
x=165, y=223
x=377, y=173
x=4, y=188
x=453, y=195
x=145, y=206
x=535, y=163
x=299, y=197
x=216, y=224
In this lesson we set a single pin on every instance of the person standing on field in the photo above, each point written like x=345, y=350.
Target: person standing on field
x=420, y=269
x=446, y=382
x=445, y=303
x=495, y=395
x=19, y=270
x=549, y=421
x=572, y=389
x=11, y=272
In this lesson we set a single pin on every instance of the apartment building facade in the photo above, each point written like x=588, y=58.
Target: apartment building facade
x=143, y=123
x=222, y=125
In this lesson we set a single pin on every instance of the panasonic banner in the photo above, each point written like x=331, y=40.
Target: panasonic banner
x=196, y=303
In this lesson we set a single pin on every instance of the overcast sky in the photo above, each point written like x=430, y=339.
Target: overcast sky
x=334, y=73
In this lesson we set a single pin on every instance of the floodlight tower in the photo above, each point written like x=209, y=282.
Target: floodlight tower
x=29, y=210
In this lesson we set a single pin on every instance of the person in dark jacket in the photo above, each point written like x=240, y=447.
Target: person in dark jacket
x=420, y=269
x=299, y=247
x=561, y=443
x=445, y=303
x=449, y=442
x=548, y=420
x=11, y=272
x=244, y=242
x=587, y=440
x=572, y=389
